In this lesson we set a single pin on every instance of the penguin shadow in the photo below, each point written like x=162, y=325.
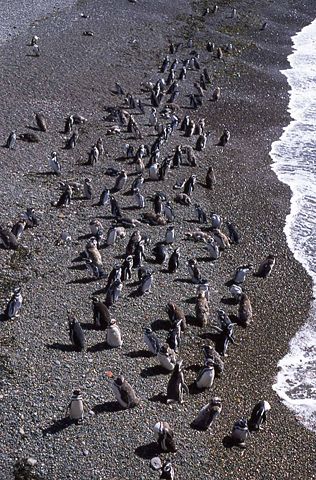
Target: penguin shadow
x=148, y=451
x=204, y=259
x=153, y=371
x=135, y=294
x=193, y=368
x=3, y=318
x=190, y=301
x=85, y=237
x=82, y=281
x=158, y=398
x=229, y=442
x=229, y=301
x=193, y=390
x=182, y=280
x=63, y=347
x=99, y=291
x=160, y=325
x=99, y=347
x=78, y=259
x=235, y=319
x=139, y=354
x=89, y=326
x=229, y=283
x=32, y=127
x=191, y=320
x=133, y=284
x=120, y=257
x=40, y=174
x=107, y=407
x=80, y=267
x=58, y=426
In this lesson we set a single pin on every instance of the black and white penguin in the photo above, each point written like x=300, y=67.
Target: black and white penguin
x=265, y=268
x=41, y=122
x=113, y=335
x=54, y=163
x=126, y=268
x=14, y=305
x=167, y=357
x=201, y=215
x=164, y=436
x=18, y=228
x=176, y=385
x=104, y=197
x=188, y=187
x=210, y=179
x=124, y=393
x=151, y=340
x=194, y=271
x=233, y=233
x=174, y=259
x=76, y=334
x=206, y=375
x=235, y=291
x=241, y=273
x=216, y=94
x=174, y=337
x=244, y=310
x=170, y=235
x=240, y=432
x=113, y=293
x=226, y=331
x=146, y=283
x=201, y=142
x=65, y=198
x=115, y=208
x=160, y=252
x=213, y=249
x=8, y=239
x=258, y=415
x=71, y=142
x=224, y=138
x=93, y=156
x=11, y=140
x=167, y=471
x=76, y=407
x=101, y=314
x=69, y=122
x=120, y=182
x=202, y=309
x=207, y=415
x=211, y=354
x=87, y=189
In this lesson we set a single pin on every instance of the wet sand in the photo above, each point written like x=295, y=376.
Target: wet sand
x=75, y=73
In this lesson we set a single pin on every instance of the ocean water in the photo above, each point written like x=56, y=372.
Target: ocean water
x=294, y=157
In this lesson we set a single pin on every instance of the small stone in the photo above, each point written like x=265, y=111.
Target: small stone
x=86, y=453
x=31, y=461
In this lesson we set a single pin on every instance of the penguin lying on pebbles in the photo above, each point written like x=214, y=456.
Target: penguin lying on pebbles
x=76, y=407
x=258, y=415
x=14, y=305
x=124, y=392
x=176, y=385
x=207, y=415
x=164, y=436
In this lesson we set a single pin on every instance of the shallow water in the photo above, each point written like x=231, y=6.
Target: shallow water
x=295, y=164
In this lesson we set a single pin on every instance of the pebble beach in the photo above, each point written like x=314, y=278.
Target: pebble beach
x=76, y=73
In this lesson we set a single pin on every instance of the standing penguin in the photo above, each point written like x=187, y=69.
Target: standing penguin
x=124, y=393
x=120, y=181
x=176, y=385
x=11, y=140
x=113, y=335
x=202, y=309
x=164, y=436
x=54, y=163
x=160, y=252
x=18, y=228
x=176, y=314
x=194, y=271
x=8, y=239
x=240, y=433
x=146, y=283
x=76, y=333
x=211, y=354
x=151, y=340
x=258, y=415
x=167, y=357
x=244, y=310
x=169, y=238
x=65, y=198
x=101, y=314
x=265, y=268
x=213, y=249
x=41, y=122
x=14, y=305
x=87, y=189
x=174, y=337
x=210, y=179
x=167, y=471
x=224, y=138
x=76, y=407
x=207, y=415
x=206, y=375
x=241, y=273
x=173, y=263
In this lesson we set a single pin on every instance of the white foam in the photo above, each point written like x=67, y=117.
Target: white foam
x=294, y=158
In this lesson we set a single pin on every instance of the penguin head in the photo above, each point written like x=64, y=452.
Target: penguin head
x=76, y=393
x=119, y=381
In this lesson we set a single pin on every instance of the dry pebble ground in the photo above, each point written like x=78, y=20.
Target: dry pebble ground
x=39, y=369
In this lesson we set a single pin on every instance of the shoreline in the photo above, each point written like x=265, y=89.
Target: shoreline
x=76, y=74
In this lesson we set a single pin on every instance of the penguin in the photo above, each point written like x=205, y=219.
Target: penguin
x=190, y=156
x=210, y=179
x=93, y=156
x=100, y=146
x=101, y=314
x=152, y=121
x=54, y=164
x=213, y=249
x=113, y=335
x=93, y=253
x=139, y=199
x=139, y=166
x=36, y=50
x=126, y=268
x=120, y=181
x=235, y=291
x=165, y=64
x=139, y=254
x=188, y=187
x=118, y=89
x=11, y=140
x=114, y=275
x=69, y=122
x=176, y=386
x=41, y=122
x=201, y=142
x=240, y=433
x=165, y=437
x=14, y=305
x=183, y=73
x=177, y=157
x=226, y=331
x=113, y=293
x=167, y=471
x=233, y=234
x=72, y=141
x=133, y=241
x=204, y=288
x=173, y=263
x=194, y=271
x=76, y=407
x=8, y=239
x=146, y=284
x=87, y=189
x=168, y=212
x=221, y=239
x=34, y=40
x=174, y=337
x=202, y=309
x=201, y=215
x=95, y=227
x=211, y=354
x=166, y=357
x=244, y=310
x=216, y=221
x=115, y=208
x=207, y=415
x=124, y=393
x=219, y=53
x=266, y=267
x=111, y=236
x=153, y=171
x=160, y=253
x=183, y=199
x=175, y=315
x=151, y=340
x=18, y=228
x=190, y=129
x=216, y=94
x=169, y=238
x=30, y=217
x=224, y=138
x=206, y=375
x=76, y=333
x=241, y=273
x=258, y=415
